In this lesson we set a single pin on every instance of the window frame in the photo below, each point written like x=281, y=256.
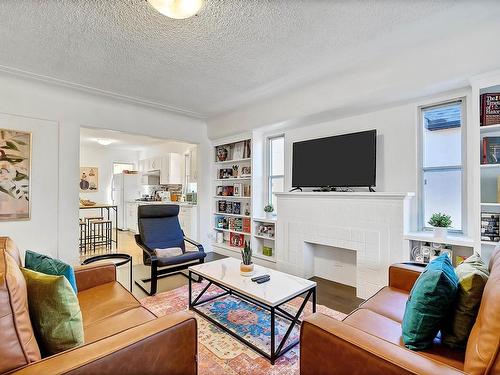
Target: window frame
x=269, y=176
x=422, y=224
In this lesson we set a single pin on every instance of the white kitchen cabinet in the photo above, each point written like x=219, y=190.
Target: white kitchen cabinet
x=193, y=164
x=171, y=169
x=132, y=217
x=187, y=220
x=155, y=164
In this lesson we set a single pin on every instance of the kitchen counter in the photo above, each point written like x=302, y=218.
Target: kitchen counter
x=183, y=204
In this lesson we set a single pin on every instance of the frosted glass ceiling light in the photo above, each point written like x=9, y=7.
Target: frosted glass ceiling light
x=104, y=141
x=178, y=9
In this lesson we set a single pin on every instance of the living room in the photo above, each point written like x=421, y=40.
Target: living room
x=394, y=118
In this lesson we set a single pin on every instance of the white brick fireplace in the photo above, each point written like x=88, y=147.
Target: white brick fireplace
x=371, y=224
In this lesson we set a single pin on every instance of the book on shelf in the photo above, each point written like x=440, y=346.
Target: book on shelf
x=491, y=150
x=490, y=226
x=490, y=109
x=236, y=239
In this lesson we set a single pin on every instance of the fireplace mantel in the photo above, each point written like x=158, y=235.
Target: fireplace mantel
x=370, y=223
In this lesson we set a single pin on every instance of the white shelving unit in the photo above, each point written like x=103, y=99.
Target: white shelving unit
x=486, y=180
x=253, y=201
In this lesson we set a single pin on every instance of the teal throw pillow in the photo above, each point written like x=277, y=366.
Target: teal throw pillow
x=50, y=266
x=429, y=304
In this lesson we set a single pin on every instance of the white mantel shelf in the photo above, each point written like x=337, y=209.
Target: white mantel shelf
x=347, y=194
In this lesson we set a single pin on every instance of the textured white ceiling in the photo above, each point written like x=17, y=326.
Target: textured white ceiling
x=226, y=55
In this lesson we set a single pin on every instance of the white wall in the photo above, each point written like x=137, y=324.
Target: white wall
x=103, y=158
x=68, y=109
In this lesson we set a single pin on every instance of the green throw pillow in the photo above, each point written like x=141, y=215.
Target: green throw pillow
x=54, y=312
x=429, y=303
x=50, y=266
x=472, y=276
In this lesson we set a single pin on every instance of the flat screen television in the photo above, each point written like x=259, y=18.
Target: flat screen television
x=347, y=160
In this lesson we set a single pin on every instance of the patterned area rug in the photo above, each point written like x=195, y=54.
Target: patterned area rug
x=219, y=352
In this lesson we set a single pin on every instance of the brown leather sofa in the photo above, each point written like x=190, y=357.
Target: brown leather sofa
x=121, y=336
x=368, y=341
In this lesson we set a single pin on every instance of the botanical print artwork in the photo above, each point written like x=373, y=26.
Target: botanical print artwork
x=15, y=165
x=89, y=180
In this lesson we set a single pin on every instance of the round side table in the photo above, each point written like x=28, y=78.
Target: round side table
x=119, y=259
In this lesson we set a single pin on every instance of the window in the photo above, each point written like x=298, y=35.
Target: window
x=120, y=167
x=442, y=162
x=276, y=167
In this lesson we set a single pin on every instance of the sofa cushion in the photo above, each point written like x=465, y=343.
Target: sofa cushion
x=484, y=340
x=17, y=339
x=104, y=301
x=50, y=266
x=389, y=302
x=390, y=330
x=54, y=311
x=117, y=323
x=429, y=303
x=472, y=277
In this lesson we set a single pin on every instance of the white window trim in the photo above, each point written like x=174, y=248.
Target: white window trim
x=422, y=225
x=270, y=177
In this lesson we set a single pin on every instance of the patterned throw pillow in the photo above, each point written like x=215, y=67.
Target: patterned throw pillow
x=429, y=303
x=472, y=277
x=54, y=312
x=50, y=266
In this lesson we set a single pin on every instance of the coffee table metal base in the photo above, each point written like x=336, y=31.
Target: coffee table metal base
x=276, y=350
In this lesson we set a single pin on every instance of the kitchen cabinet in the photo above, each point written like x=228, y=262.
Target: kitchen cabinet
x=193, y=164
x=171, y=169
x=131, y=217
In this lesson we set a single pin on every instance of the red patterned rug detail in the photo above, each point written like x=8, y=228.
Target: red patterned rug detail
x=219, y=352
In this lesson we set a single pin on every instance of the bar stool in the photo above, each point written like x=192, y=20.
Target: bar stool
x=83, y=235
x=100, y=234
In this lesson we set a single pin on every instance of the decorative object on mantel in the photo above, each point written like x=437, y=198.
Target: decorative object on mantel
x=15, y=173
x=89, y=179
x=246, y=266
x=269, y=209
x=441, y=223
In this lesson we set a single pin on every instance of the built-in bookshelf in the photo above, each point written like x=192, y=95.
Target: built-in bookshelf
x=489, y=168
x=237, y=203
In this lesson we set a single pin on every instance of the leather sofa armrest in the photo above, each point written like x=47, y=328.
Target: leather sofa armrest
x=167, y=345
x=329, y=346
x=403, y=276
x=92, y=275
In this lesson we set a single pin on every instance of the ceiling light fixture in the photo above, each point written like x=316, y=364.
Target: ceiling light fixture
x=104, y=141
x=178, y=9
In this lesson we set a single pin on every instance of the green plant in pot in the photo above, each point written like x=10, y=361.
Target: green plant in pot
x=440, y=222
x=246, y=266
x=269, y=209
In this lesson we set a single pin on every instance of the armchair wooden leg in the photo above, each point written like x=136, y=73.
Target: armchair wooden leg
x=154, y=277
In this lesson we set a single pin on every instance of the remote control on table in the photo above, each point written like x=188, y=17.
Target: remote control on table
x=264, y=280
x=259, y=277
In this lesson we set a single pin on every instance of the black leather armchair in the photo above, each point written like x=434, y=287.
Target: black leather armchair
x=159, y=228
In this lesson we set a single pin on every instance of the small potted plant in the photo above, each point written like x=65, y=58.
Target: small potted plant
x=246, y=266
x=269, y=209
x=441, y=223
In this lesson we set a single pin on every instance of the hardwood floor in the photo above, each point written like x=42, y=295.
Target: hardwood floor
x=334, y=295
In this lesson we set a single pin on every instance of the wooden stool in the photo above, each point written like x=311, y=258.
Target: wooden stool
x=100, y=234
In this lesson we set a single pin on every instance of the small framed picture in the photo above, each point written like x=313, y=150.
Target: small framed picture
x=246, y=171
x=237, y=190
x=238, y=151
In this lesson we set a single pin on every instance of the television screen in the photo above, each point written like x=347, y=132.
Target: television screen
x=346, y=160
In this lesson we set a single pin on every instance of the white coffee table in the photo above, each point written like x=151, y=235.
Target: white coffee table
x=271, y=295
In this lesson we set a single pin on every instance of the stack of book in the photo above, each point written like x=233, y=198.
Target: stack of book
x=490, y=109
x=490, y=227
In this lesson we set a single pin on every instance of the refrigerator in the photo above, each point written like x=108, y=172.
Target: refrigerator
x=125, y=188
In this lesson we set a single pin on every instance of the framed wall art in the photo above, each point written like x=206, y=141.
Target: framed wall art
x=89, y=179
x=15, y=175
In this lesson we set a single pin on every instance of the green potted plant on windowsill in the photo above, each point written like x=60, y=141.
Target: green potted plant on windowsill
x=269, y=209
x=246, y=266
x=440, y=222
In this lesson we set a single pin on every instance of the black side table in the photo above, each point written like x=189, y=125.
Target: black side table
x=119, y=259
